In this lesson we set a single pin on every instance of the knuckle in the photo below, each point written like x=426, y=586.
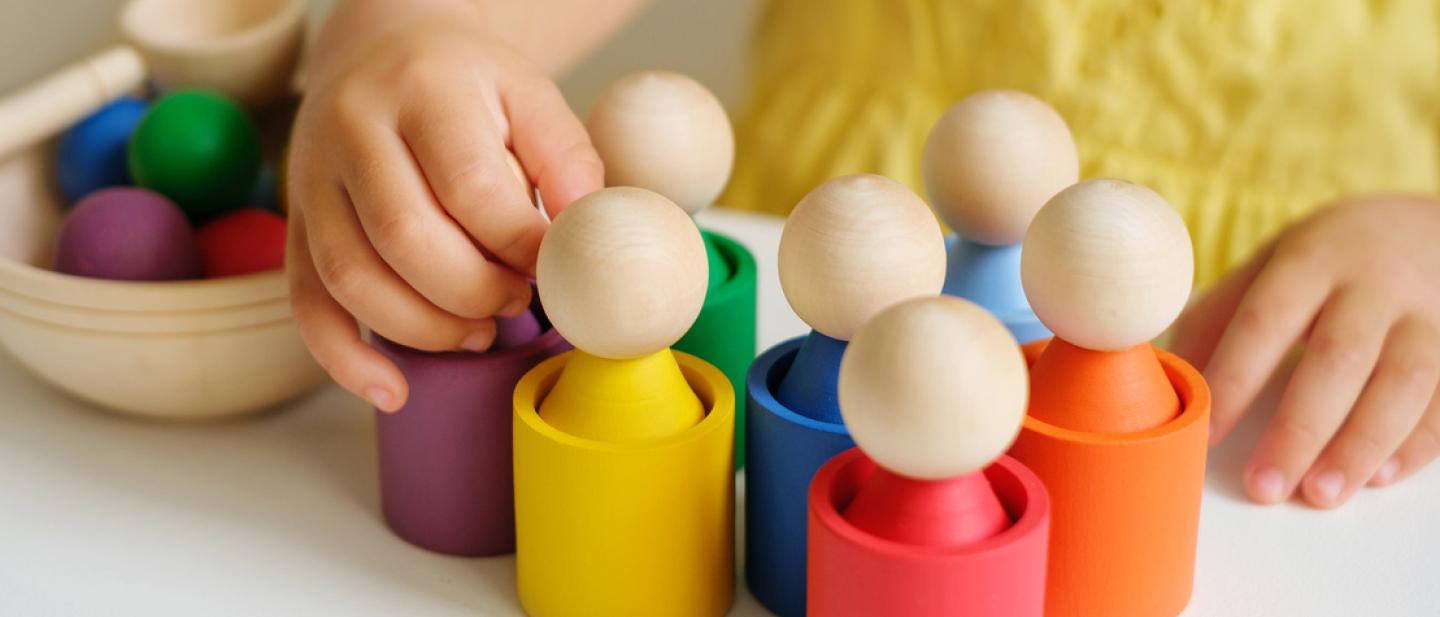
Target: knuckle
x=1255, y=320
x=471, y=185
x=1227, y=383
x=1390, y=276
x=350, y=103
x=514, y=237
x=400, y=237
x=1412, y=371
x=417, y=72
x=1336, y=353
x=1426, y=437
x=1302, y=249
x=1299, y=435
x=1224, y=385
x=582, y=154
x=341, y=276
x=1363, y=445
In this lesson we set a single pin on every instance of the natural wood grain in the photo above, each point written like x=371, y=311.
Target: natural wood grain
x=993, y=159
x=1107, y=264
x=854, y=246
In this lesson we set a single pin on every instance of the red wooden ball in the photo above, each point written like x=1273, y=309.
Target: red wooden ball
x=243, y=242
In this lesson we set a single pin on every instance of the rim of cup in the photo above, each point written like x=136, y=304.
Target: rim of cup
x=138, y=20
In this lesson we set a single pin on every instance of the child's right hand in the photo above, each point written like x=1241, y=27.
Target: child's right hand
x=404, y=214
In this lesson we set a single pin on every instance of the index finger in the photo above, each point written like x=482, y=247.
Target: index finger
x=553, y=144
x=1270, y=319
x=464, y=159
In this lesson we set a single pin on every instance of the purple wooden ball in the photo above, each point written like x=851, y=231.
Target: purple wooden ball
x=127, y=234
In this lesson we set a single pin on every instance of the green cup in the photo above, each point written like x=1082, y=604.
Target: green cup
x=724, y=333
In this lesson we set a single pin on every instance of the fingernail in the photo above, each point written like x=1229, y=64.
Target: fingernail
x=1386, y=472
x=478, y=341
x=1327, y=486
x=1267, y=485
x=381, y=399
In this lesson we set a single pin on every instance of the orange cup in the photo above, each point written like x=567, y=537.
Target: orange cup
x=1126, y=507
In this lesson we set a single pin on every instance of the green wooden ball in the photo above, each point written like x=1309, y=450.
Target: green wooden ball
x=199, y=149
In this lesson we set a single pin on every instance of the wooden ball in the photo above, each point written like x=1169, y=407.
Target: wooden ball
x=993, y=159
x=198, y=148
x=622, y=273
x=933, y=388
x=855, y=245
x=665, y=132
x=127, y=234
x=242, y=242
x=1107, y=264
x=91, y=155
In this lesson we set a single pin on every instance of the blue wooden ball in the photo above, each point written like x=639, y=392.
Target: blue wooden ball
x=92, y=155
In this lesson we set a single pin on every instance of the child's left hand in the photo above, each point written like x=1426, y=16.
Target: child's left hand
x=1359, y=284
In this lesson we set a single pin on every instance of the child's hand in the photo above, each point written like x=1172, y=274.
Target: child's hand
x=404, y=212
x=1359, y=284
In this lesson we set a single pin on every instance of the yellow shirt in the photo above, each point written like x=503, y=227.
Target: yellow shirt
x=1244, y=114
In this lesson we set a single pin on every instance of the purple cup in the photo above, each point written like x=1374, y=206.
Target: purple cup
x=446, y=481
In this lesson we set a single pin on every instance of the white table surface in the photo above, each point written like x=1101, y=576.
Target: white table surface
x=278, y=515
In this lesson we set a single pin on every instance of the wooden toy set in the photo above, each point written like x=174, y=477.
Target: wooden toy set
x=907, y=457
x=135, y=170
x=926, y=449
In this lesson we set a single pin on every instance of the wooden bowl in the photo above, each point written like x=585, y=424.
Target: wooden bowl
x=248, y=50
x=181, y=350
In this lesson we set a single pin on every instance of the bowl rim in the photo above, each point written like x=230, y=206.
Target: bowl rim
x=240, y=325
x=37, y=284
x=289, y=14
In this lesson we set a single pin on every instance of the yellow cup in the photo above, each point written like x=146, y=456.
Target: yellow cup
x=636, y=528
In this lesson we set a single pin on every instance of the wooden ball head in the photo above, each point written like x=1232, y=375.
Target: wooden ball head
x=933, y=388
x=1116, y=428
x=993, y=159
x=1107, y=265
x=854, y=246
x=927, y=516
x=622, y=273
x=665, y=132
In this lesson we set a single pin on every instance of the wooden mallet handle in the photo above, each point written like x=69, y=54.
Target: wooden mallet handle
x=52, y=104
